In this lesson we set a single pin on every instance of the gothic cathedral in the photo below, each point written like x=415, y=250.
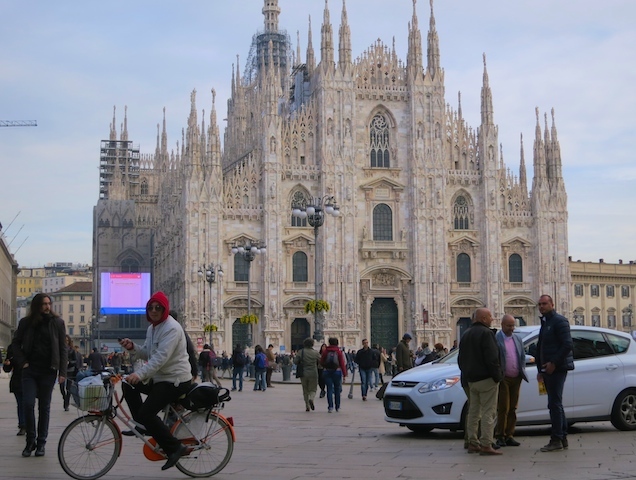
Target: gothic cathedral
x=431, y=223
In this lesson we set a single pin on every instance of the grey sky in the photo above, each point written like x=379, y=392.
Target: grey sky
x=67, y=63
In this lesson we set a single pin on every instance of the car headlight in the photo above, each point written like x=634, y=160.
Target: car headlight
x=439, y=384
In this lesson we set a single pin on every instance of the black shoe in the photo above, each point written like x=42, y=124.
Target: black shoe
x=322, y=394
x=501, y=442
x=21, y=431
x=311, y=405
x=130, y=433
x=495, y=446
x=511, y=442
x=30, y=446
x=564, y=442
x=174, y=457
x=39, y=451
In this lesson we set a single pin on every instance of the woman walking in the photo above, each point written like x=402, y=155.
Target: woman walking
x=321, y=378
x=260, y=368
x=309, y=359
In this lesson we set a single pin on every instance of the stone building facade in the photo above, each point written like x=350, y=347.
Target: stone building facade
x=432, y=222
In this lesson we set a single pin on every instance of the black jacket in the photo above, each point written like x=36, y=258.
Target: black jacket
x=555, y=343
x=23, y=343
x=479, y=354
x=366, y=358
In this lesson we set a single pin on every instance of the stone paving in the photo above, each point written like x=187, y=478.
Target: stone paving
x=277, y=439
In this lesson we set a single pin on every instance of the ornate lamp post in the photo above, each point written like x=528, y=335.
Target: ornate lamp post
x=211, y=272
x=249, y=252
x=315, y=212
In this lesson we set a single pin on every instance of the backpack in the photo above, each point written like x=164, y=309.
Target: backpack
x=260, y=361
x=204, y=359
x=332, y=361
x=238, y=360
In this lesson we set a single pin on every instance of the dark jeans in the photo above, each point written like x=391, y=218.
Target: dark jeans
x=321, y=380
x=37, y=385
x=20, y=404
x=554, y=386
x=159, y=394
x=268, y=376
x=237, y=373
x=333, y=380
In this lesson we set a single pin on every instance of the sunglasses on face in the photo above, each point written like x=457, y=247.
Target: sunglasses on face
x=156, y=308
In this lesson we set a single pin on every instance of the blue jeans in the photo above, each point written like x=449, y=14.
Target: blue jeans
x=376, y=377
x=237, y=373
x=554, y=386
x=333, y=380
x=37, y=385
x=365, y=377
x=261, y=382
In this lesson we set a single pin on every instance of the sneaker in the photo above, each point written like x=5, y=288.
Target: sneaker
x=555, y=445
x=501, y=442
x=364, y=399
x=330, y=410
x=234, y=389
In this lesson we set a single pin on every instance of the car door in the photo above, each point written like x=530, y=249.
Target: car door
x=597, y=377
x=533, y=407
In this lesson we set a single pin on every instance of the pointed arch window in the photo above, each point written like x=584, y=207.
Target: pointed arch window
x=379, y=142
x=463, y=268
x=298, y=200
x=461, y=214
x=515, y=268
x=241, y=269
x=382, y=223
x=144, y=187
x=299, y=262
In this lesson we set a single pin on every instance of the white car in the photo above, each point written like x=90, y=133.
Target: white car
x=601, y=387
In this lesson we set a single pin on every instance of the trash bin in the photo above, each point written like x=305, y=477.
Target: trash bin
x=286, y=372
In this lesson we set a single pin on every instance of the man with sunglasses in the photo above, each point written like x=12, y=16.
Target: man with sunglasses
x=164, y=378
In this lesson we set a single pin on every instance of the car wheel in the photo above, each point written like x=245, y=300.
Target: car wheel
x=624, y=410
x=419, y=428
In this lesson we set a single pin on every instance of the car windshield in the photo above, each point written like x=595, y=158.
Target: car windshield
x=451, y=358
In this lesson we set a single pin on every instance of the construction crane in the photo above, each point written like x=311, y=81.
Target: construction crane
x=18, y=123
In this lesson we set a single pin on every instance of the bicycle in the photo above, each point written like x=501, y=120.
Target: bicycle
x=91, y=444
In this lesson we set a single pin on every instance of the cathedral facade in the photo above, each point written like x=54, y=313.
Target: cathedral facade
x=431, y=224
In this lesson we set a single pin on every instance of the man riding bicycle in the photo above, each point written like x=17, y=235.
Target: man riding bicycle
x=164, y=378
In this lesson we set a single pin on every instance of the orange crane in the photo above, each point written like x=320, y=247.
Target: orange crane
x=18, y=123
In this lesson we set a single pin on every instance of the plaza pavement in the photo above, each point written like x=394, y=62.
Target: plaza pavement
x=277, y=439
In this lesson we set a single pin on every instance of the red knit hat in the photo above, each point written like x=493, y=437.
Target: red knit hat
x=161, y=299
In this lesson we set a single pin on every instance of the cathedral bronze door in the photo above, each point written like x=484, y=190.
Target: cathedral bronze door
x=462, y=325
x=384, y=323
x=240, y=333
x=299, y=331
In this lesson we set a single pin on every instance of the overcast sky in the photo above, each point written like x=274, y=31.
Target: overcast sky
x=67, y=63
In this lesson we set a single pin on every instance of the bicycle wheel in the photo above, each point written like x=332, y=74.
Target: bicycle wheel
x=210, y=444
x=89, y=447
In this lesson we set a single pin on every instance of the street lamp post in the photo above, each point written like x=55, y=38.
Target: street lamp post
x=315, y=212
x=249, y=252
x=210, y=276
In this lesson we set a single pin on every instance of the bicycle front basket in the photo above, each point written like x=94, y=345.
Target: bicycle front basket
x=89, y=397
x=202, y=396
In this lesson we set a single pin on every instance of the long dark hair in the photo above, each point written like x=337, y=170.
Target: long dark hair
x=35, y=309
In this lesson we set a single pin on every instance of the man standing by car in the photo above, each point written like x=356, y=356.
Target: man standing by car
x=479, y=363
x=554, y=359
x=513, y=363
x=403, y=355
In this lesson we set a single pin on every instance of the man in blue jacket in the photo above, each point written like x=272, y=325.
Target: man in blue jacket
x=554, y=359
x=513, y=363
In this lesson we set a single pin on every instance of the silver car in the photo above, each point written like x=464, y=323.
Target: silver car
x=601, y=387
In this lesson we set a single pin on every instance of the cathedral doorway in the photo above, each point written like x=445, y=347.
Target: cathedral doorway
x=461, y=326
x=240, y=333
x=300, y=330
x=384, y=323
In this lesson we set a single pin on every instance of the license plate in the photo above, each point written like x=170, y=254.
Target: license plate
x=395, y=405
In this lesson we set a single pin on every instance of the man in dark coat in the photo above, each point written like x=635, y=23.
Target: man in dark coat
x=39, y=348
x=481, y=369
x=554, y=358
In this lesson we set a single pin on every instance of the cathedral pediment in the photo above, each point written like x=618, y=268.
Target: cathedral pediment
x=464, y=242
x=516, y=242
